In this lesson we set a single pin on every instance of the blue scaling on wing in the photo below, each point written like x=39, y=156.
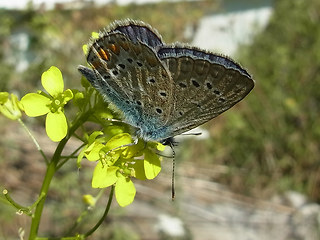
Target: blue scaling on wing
x=139, y=31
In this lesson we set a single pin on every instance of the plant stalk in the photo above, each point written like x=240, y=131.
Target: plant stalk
x=51, y=169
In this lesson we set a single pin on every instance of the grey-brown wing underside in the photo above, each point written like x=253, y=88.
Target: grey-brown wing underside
x=131, y=76
x=205, y=85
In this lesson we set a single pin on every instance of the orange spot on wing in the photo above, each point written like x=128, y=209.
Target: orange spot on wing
x=114, y=48
x=103, y=54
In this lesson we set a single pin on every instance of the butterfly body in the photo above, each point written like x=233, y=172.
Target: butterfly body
x=162, y=90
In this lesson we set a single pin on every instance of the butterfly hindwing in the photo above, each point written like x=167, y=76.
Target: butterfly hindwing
x=205, y=85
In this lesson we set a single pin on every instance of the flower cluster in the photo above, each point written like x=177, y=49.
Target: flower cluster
x=119, y=157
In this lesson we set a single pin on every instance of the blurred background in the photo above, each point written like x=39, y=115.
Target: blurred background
x=255, y=171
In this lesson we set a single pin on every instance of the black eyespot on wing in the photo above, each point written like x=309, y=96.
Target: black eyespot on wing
x=151, y=80
x=209, y=85
x=217, y=92
x=183, y=85
x=122, y=66
x=130, y=60
x=159, y=110
x=139, y=64
x=195, y=83
x=163, y=94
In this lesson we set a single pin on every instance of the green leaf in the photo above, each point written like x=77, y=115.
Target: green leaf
x=35, y=104
x=104, y=176
x=152, y=164
x=52, y=81
x=125, y=191
x=56, y=126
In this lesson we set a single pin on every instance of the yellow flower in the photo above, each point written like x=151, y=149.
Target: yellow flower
x=52, y=104
x=10, y=107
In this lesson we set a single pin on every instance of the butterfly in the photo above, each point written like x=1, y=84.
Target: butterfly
x=162, y=90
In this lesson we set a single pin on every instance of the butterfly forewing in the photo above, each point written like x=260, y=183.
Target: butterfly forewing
x=137, y=31
x=203, y=87
x=134, y=72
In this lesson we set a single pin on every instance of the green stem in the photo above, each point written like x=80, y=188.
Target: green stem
x=104, y=214
x=84, y=213
x=34, y=140
x=72, y=155
x=51, y=169
x=20, y=208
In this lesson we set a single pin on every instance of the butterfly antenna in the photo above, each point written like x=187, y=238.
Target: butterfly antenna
x=173, y=194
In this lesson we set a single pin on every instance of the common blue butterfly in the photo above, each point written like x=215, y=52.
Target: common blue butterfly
x=162, y=90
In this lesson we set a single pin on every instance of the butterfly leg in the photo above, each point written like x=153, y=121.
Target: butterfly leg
x=125, y=145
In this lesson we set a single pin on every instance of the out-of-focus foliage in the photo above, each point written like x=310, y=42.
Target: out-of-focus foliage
x=55, y=37
x=273, y=143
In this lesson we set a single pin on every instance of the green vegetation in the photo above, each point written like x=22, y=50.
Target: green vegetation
x=57, y=36
x=283, y=128
x=272, y=144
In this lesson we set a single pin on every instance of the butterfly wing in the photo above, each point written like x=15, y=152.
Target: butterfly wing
x=137, y=31
x=131, y=76
x=162, y=90
x=205, y=85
